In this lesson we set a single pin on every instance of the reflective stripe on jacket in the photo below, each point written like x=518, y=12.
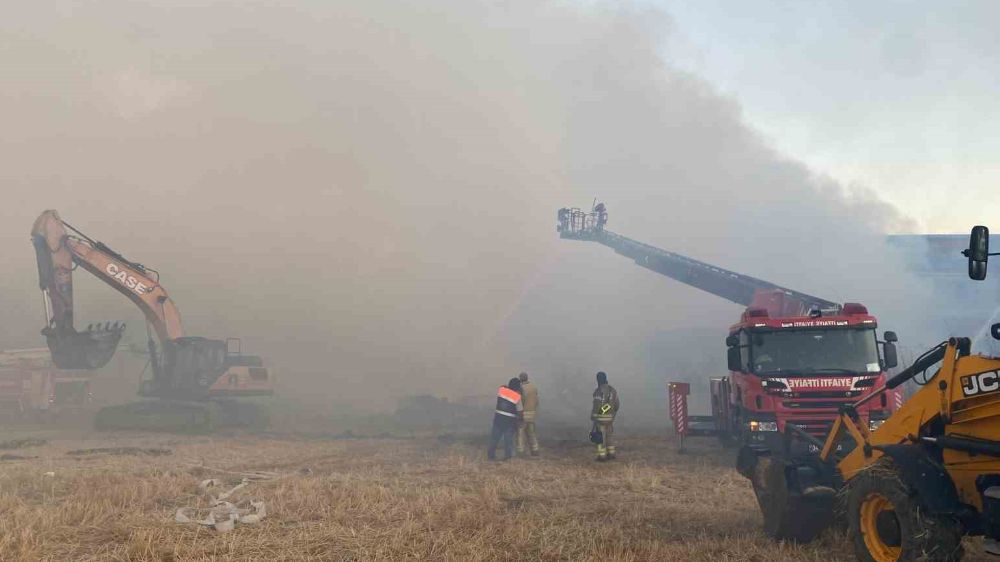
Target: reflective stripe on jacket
x=605, y=403
x=509, y=402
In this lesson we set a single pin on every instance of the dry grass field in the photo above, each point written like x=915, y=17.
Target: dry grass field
x=353, y=500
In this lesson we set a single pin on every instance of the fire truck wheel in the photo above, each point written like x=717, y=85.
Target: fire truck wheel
x=886, y=523
x=787, y=515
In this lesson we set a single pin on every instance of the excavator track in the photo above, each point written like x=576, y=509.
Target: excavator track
x=175, y=416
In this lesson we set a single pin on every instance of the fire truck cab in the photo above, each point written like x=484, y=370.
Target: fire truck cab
x=801, y=370
x=30, y=384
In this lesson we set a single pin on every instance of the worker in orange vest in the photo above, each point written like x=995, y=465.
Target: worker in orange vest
x=509, y=411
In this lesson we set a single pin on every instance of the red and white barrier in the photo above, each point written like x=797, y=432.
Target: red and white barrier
x=677, y=393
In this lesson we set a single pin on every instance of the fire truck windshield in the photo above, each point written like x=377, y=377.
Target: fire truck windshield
x=814, y=351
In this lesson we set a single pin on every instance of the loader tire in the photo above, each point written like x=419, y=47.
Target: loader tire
x=886, y=523
x=788, y=515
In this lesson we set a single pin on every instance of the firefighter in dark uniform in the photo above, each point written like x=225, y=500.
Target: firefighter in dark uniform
x=602, y=215
x=509, y=412
x=603, y=414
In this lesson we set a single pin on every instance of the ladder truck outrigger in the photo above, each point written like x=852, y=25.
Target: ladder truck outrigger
x=792, y=357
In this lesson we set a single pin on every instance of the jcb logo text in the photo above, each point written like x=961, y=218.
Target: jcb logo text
x=981, y=383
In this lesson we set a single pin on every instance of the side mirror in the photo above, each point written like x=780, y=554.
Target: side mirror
x=733, y=357
x=732, y=341
x=978, y=252
x=891, y=337
x=889, y=356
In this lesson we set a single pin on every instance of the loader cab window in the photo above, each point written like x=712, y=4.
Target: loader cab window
x=849, y=351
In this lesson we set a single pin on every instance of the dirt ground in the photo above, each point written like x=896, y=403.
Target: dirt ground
x=352, y=500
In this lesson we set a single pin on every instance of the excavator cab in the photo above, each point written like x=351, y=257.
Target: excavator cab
x=195, y=368
x=193, y=365
x=186, y=369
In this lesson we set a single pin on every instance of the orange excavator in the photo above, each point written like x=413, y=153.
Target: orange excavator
x=194, y=379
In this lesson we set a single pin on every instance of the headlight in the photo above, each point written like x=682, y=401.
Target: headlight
x=763, y=426
x=875, y=424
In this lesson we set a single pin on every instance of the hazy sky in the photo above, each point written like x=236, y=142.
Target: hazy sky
x=897, y=95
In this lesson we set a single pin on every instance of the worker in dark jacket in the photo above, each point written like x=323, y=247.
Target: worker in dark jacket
x=509, y=411
x=603, y=414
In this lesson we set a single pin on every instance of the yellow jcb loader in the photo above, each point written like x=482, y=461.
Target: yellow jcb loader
x=913, y=487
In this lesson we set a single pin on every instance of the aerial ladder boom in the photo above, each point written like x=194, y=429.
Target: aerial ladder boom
x=576, y=224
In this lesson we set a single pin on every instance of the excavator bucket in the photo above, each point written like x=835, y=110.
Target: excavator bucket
x=89, y=349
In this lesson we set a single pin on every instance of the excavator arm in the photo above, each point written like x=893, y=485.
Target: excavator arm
x=194, y=377
x=59, y=253
x=184, y=367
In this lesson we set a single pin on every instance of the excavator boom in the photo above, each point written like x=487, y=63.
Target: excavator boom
x=137, y=283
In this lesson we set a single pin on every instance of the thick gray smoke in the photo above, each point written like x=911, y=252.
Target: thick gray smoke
x=365, y=192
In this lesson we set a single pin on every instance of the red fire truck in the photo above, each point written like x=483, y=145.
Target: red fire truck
x=793, y=358
x=31, y=384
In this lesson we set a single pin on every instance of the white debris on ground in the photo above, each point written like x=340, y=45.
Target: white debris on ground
x=223, y=515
